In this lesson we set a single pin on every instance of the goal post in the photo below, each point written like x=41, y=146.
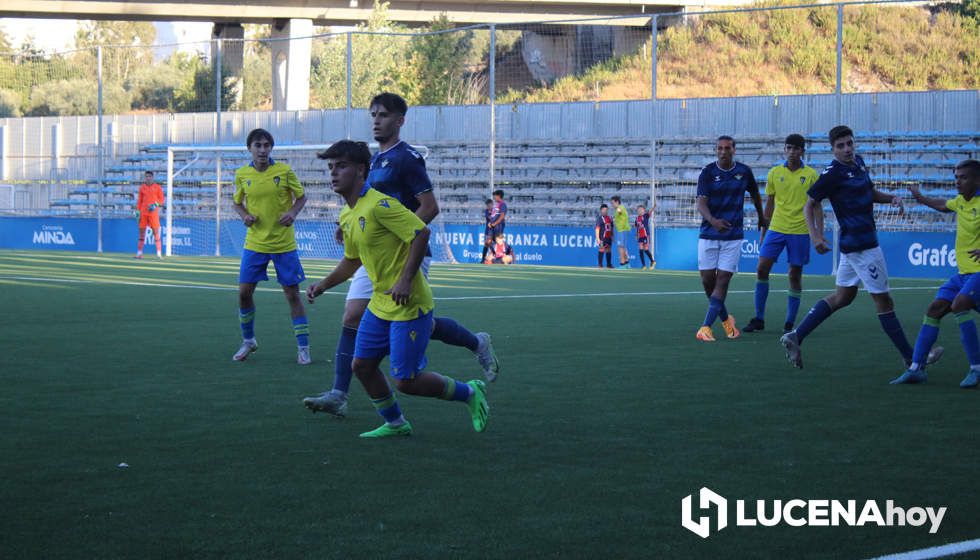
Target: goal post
x=200, y=187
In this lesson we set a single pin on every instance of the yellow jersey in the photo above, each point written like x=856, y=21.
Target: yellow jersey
x=268, y=195
x=789, y=189
x=967, y=231
x=378, y=230
x=622, y=219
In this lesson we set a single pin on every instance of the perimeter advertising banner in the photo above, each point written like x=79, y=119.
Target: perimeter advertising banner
x=921, y=255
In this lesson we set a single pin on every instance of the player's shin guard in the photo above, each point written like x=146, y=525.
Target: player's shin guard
x=927, y=337
x=715, y=306
x=792, y=306
x=761, y=295
x=818, y=313
x=302, y=331
x=452, y=333
x=344, y=360
x=722, y=312
x=388, y=408
x=968, y=336
x=455, y=390
x=643, y=259
x=247, y=318
x=891, y=326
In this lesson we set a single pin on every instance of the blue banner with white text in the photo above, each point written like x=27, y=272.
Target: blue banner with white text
x=908, y=254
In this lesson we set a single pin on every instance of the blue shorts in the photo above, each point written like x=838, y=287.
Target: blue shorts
x=797, y=247
x=961, y=284
x=289, y=271
x=405, y=341
x=622, y=238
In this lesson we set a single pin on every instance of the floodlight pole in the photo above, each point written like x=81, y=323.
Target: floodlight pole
x=217, y=160
x=492, y=85
x=350, y=65
x=653, y=140
x=101, y=163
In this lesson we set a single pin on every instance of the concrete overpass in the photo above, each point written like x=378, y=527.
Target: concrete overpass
x=344, y=12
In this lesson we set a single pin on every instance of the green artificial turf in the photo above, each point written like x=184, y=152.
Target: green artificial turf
x=606, y=414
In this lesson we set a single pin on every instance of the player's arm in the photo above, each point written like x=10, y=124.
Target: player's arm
x=402, y=290
x=238, y=204
x=299, y=200
x=341, y=273
x=938, y=204
x=428, y=206
x=813, y=212
x=886, y=198
x=721, y=225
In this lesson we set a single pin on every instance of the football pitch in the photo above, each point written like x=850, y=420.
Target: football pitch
x=607, y=413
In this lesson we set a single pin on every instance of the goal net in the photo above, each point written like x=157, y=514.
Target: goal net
x=200, y=186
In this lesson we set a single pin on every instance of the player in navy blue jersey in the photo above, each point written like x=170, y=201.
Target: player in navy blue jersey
x=721, y=196
x=852, y=194
x=488, y=230
x=604, y=235
x=397, y=170
x=495, y=221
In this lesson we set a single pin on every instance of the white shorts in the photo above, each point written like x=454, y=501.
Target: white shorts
x=361, y=287
x=719, y=253
x=866, y=267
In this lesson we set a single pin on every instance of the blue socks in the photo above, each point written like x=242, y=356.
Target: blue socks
x=891, y=326
x=792, y=306
x=247, y=318
x=302, y=331
x=968, y=336
x=388, y=408
x=344, y=361
x=761, y=295
x=456, y=391
x=927, y=337
x=715, y=306
x=818, y=314
x=454, y=334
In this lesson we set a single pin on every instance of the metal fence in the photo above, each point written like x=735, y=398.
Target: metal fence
x=67, y=117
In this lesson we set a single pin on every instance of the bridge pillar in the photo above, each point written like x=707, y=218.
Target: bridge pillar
x=291, y=58
x=232, y=61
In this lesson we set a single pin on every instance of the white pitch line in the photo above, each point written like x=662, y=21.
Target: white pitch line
x=450, y=298
x=951, y=549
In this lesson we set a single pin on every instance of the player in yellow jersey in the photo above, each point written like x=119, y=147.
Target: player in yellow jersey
x=268, y=196
x=390, y=242
x=786, y=187
x=961, y=293
x=621, y=219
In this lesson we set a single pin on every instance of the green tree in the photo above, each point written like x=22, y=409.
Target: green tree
x=76, y=97
x=436, y=71
x=126, y=46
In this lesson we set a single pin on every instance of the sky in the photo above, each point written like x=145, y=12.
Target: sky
x=53, y=35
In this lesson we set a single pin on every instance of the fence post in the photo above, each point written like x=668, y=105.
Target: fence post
x=217, y=160
x=350, y=54
x=101, y=149
x=493, y=105
x=840, y=62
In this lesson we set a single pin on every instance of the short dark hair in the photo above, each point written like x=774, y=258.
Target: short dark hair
x=616, y=199
x=489, y=201
x=603, y=205
x=971, y=165
x=259, y=134
x=499, y=193
x=147, y=173
x=796, y=140
x=356, y=152
x=390, y=101
x=839, y=132
x=726, y=137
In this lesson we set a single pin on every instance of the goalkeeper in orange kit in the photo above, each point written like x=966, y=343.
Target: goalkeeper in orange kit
x=148, y=205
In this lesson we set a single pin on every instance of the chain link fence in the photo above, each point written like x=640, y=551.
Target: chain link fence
x=561, y=115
